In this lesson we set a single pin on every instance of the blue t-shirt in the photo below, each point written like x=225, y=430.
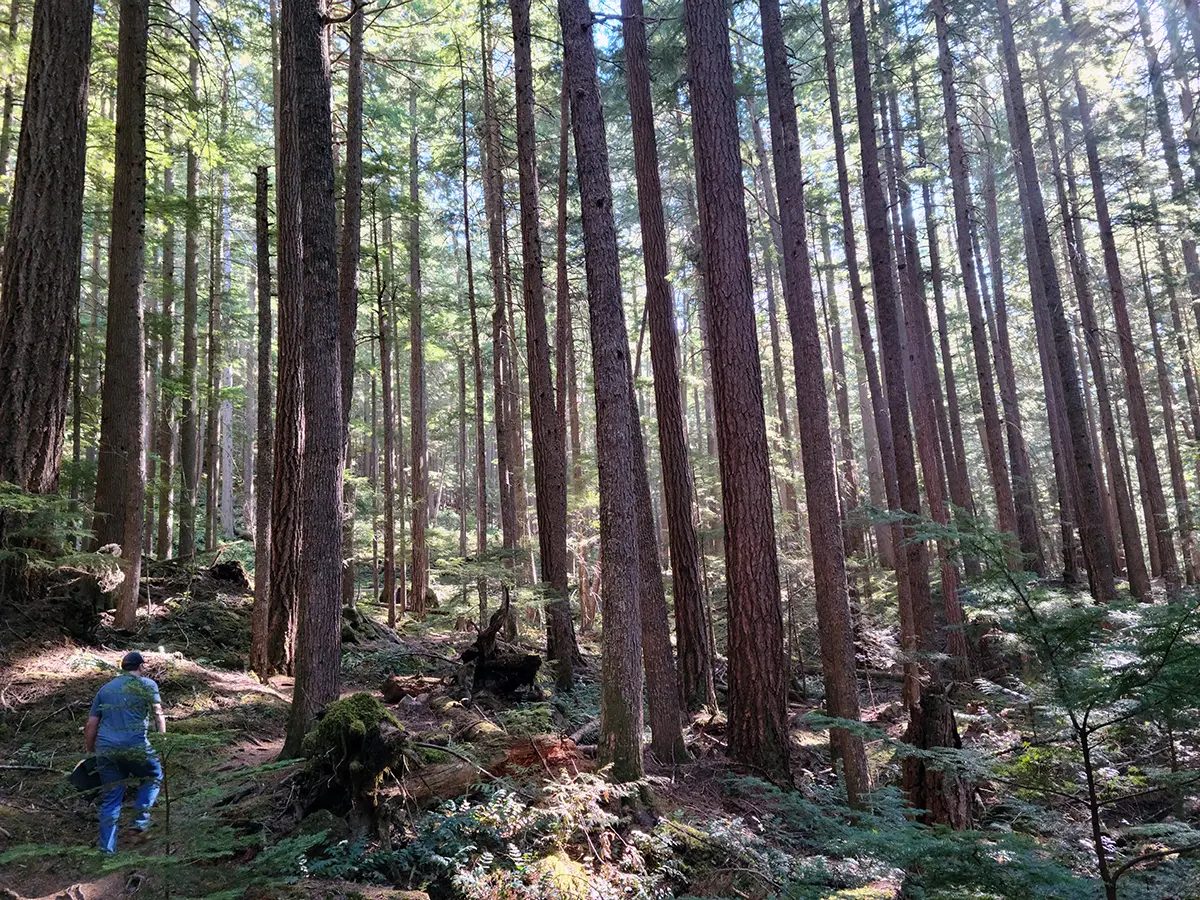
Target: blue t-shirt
x=124, y=706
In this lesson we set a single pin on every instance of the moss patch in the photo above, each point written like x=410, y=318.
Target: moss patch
x=345, y=724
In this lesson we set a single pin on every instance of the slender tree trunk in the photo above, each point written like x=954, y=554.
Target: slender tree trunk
x=1151, y=481
x=260, y=659
x=189, y=422
x=318, y=638
x=621, y=675
x=493, y=190
x=1166, y=393
x=790, y=503
x=288, y=469
x=121, y=473
x=385, y=309
x=880, y=424
x=416, y=397
x=834, y=621
x=1088, y=502
x=164, y=437
x=481, y=514
x=695, y=665
x=41, y=261
x=6, y=118
x=1166, y=134
x=549, y=444
x=960, y=184
x=931, y=717
x=1028, y=528
x=758, y=732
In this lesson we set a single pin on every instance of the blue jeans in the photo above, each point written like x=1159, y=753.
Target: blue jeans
x=121, y=766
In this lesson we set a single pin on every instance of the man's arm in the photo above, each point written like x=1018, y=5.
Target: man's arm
x=89, y=733
x=160, y=719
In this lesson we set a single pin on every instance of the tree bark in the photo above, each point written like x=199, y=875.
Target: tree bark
x=288, y=467
x=1151, y=482
x=758, y=733
x=419, y=476
x=1088, y=502
x=121, y=472
x=260, y=659
x=318, y=637
x=480, y=474
x=189, y=422
x=41, y=263
x=549, y=445
x=621, y=666
x=695, y=665
x=834, y=621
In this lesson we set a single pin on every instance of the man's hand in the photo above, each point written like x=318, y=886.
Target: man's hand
x=160, y=719
x=89, y=734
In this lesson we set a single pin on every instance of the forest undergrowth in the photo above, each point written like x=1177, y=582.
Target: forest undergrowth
x=414, y=785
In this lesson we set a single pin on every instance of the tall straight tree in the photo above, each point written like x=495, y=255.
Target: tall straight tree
x=758, y=732
x=960, y=185
x=189, y=420
x=931, y=718
x=507, y=437
x=121, y=469
x=549, y=445
x=264, y=457
x=164, y=438
x=695, y=664
x=621, y=665
x=820, y=476
x=476, y=364
x=288, y=482
x=1151, y=477
x=319, y=634
x=878, y=414
x=385, y=311
x=38, y=318
x=1095, y=542
x=416, y=377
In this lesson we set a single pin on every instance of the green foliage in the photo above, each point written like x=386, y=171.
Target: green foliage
x=345, y=720
x=42, y=531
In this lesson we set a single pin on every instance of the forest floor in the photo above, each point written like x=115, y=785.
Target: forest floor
x=532, y=822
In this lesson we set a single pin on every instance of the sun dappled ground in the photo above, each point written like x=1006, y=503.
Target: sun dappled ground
x=489, y=796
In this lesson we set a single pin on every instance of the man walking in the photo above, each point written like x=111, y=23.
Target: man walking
x=116, y=732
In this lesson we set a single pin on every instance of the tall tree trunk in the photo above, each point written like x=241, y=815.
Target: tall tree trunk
x=416, y=378
x=350, y=246
x=260, y=659
x=880, y=425
x=481, y=514
x=318, y=637
x=1166, y=394
x=621, y=666
x=925, y=389
x=287, y=485
x=1088, y=501
x=549, y=445
x=165, y=436
x=493, y=191
x=758, y=732
x=1151, y=481
x=695, y=665
x=790, y=504
x=1028, y=527
x=41, y=260
x=1166, y=134
x=121, y=473
x=189, y=421
x=931, y=717
x=820, y=477
x=960, y=184
x=385, y=312
x=1134, y=557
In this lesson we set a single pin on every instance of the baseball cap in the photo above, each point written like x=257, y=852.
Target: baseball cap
x=131, y=660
